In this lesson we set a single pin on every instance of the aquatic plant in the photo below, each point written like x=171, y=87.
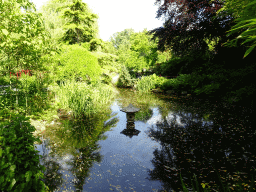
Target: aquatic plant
x=83, y=99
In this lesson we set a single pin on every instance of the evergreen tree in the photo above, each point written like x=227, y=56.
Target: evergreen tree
x=81, y=25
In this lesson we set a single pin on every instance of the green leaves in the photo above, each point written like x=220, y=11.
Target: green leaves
x=4, y=31
x=24, y=38
x=136, y=50
x=1, y=152
x=81, y=25
x=76, y=57
x=246, y=22
x=14, y=175
x=28, y=175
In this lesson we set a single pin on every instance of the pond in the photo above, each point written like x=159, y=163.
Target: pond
x=174, y=136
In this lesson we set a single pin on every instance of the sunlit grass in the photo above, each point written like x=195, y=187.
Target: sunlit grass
x=83, y=99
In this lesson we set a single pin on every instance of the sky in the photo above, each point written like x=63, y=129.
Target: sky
x=117, y=15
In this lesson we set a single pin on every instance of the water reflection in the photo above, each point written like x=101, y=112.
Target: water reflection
x=70, y=149
x=175, y=137
x=203, y=149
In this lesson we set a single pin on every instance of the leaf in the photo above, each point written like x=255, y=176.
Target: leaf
x=28, y=175
x=12, y=184
x=1, y=152
x=2, y=179
x=5, y=31
x=249, y=50
x=251, y=39
x=12, y=168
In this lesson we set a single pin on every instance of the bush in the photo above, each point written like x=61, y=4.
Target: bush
x=147, y=83
x=86, y=45
x=170, y=68
x=19, y=162
x=167, y=85
x=106, y=59
x=125, y=79
x=96, y=44
x=75, y=62
x=108, y=64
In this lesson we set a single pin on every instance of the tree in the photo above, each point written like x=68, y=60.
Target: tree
x=52, y=18
x=188, y=23
x=121, y=40
x=142, y=44
x=23, y=39
x=136, y=50
x=81, y=25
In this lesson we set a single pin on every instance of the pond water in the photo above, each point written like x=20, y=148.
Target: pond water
x=174, y=136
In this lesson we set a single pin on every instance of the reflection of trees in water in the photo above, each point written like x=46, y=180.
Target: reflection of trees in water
x=84, y=156
x=200, y=148
x=53, y=178
x=81, y=163
x=79, y=138
x=144, y=114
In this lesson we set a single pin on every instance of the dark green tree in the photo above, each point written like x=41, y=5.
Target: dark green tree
x=81, y=25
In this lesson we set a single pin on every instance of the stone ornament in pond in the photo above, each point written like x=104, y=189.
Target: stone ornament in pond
x=130, y=109
x=130, y=115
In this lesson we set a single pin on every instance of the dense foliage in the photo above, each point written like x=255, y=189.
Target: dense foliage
x=207, y=47
x=19, y=161
x=82, y=99
x=52, y=19
x=23, y=39
x=136, y=50
x=188, y=23
x=246, y=22
x=79, y=27
x=75, y=62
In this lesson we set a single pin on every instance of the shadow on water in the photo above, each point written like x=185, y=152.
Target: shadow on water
x=221, y=148
x=175, y=136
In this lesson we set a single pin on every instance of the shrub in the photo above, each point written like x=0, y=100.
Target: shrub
x=125, y=79
x=108, y=64
x=75, y=62
x=96, y=44
x=86, y=45
x=147, y=83
x=106, y=59
x=171, y=67
x=31, y=84
x=167, y=85
x=19, y=162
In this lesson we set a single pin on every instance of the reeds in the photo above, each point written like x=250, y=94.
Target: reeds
x=83, y=99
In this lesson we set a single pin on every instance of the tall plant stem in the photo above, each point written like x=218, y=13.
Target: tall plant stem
x=17, y=99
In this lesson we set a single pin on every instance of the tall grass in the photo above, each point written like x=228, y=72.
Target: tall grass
x=83, y=99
